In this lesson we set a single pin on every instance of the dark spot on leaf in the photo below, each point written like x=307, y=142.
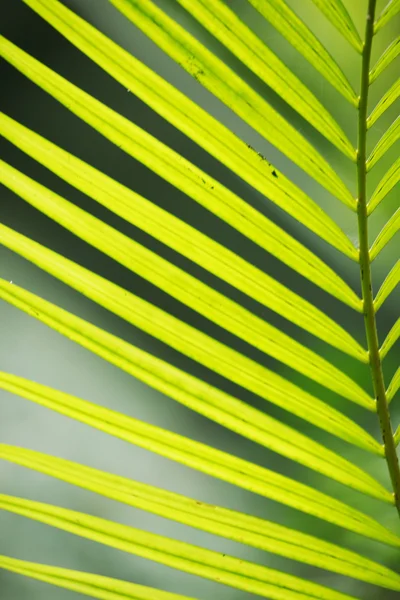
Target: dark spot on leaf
x=274, y=173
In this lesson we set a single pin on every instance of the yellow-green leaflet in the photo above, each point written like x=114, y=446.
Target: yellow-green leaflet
x=226, y=523
x=168, y=164
x=186, y=239
x=387, y=287
x=89, y=584
x=386, y=184
x=393, y=388
x=387, y=100
x=390, y=339
x=388, y=231
x=177, y=383
x=227, y=570
x=201, y=457
x=187, y=339
x=178, y=334
x=278, y=13
x=337, y=14
x=233, y=91
x=223, y=23
x=384, y=61
x=187, y=288
x=390, y=11
x=397, y=434
x=387, y=140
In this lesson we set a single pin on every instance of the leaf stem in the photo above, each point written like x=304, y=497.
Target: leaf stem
x=365, y=267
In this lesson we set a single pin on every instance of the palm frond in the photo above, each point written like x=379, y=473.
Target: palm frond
x=236, y=526
x=221, y=22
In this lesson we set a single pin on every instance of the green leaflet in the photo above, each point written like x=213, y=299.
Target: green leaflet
x=171, y=166
x=176, y=383
x=187, y=339
x=390, y=339
x=387, y=100
x=388, y=231
x=387, y=287
x=386, y=184
x=228, y=87
x=231, y=31
x=204, y=458
x=278, y=13
x=391, y=10
x=226, y=523
x=397, y=436
x=393, y=389
x=96, y=586
x=387, y=140
x=182, y=237
x=337, y=14
x=384, y=61
x=227, y=570
x=223, y=23
x=187, y=288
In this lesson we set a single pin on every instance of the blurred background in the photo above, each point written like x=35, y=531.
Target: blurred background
x=30, y=349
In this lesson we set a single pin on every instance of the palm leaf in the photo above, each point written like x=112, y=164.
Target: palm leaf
x=222, y=23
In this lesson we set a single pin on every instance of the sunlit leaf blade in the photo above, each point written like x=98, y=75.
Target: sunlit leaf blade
x=133, y=309
x=278, y=13
x=387, y=140
x=201, y=457
x=188, y=241
x=89, y=584
x=387, y=287
x=388, y=231
x=390, y=11
x=384, y=61
x=386, y=184
x=187, y=339
x=390, y=339
x=218, y=78
x=167, y=379
x=228, y=28
x=393, y=388
x=397, y=435
x=171, y=166
x=337, y=14
x=387, y=100
x=225, y=569
x=226, y=523
x=185, y=287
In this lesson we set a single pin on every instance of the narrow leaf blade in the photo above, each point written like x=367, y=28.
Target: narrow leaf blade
x=203, y=458
x=386, y=234
x=390, y=339
x=193, y=392
x=393, y=388
x=337, y=14
x=218, y=78
x=385, y=60
x=301, y=37
x=89, y=584
x=252, y=531
x=390, y=11
x=386, y=184
x=239, y=574
x=168, y=164
x=182, y=237
x=384, y=103
x=223, y=23
x=183, y=286
x=387, y=140
x=387, y=287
